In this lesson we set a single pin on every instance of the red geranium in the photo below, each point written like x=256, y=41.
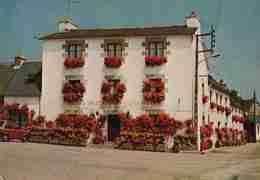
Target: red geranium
x=113, y=62
x=153, y=91
x=71, y=62
x=205, y=99
x=155, y=60
x=73, y=92
x=112, y=92
x=212, y=105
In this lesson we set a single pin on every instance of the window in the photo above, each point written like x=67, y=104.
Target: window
x=210, y=96
x=220, y=99
x=114, y=49
x=73, y=50
x=216, y=97
x=203, y=89
x=155, y=48
x=225, y=100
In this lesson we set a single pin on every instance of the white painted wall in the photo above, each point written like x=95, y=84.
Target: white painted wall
x=32, y=102
x=257, y=132
x=178, y=72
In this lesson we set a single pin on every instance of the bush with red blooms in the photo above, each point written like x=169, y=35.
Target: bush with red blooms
x=71, y=62
x=73, y=92
x=155, y=60
x=206, y=134
x=205, y=99
x=153, y=91
x=147, y=131
x=113, y=62
x=230, y=137
x=76, y=122
x=112, y=92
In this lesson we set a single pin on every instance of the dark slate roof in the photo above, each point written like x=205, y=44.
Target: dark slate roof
x=19, y=85
x=122, y=32
x=217, y=85
x=6, y=74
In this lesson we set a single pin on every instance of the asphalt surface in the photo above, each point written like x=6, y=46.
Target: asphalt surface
x=28, y=161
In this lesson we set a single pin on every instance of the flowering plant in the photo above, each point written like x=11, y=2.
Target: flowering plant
x=155, y=60
x=73, y=92
x=228, y=111
x=220, y=108
x=153, y=91
x=113, y=62
x=205, y=99
x=213, y=105
x=72, y=63
x=112, y=92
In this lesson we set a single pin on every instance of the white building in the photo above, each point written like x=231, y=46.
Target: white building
x=134, y=46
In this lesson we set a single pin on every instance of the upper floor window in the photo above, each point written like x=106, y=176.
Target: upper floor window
x=220, y=99
x=210, y=96
x=114, y=49
x=216, y=97
x=155, y=48
x=74, y=48
x=225, y=100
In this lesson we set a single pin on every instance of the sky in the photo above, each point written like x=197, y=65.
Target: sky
x=237, y=28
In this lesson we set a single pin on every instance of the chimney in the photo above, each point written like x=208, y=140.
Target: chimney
x=18, y=61
x=65, y=24
x=193, y=21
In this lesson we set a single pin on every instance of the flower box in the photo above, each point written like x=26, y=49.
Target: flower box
x=113, y=62
x=151, y=61
x=71, y=63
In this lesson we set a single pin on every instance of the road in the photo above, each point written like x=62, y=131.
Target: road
x=51, y=162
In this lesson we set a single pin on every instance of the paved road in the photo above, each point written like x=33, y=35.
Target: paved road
x=50, y=162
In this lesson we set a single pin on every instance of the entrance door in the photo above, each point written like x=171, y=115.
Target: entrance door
x=113, y=127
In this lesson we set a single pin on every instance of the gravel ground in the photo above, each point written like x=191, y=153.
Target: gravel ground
x=49, y=162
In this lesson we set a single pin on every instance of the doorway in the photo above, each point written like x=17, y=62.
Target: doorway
x=113, y=127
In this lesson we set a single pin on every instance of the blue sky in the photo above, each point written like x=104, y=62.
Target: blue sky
x=237, y=21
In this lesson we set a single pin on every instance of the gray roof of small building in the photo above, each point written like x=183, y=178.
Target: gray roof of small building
x=19, y=85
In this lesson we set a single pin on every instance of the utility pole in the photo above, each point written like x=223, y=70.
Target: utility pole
x=197, y=52
x=254, y=124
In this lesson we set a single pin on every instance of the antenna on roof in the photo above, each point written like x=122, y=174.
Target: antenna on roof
x=68, y=8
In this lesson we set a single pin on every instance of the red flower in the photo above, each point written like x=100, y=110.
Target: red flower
x=112, y=92
x=205, y=99
x=155, y=60
x=73, y=92
x=153, y=91
x=113, y=62
x=72, y=63
x=212, y=105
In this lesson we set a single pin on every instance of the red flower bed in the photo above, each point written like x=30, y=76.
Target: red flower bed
x=113, y=62
x=153, y=91
x=72, y=63
x=73, y=92
x=155, y=60
x=205, y=99
x=112, y=92
x=151, y=131
x=76, y=122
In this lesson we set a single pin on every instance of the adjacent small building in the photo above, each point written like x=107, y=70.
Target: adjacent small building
x=17, y=84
